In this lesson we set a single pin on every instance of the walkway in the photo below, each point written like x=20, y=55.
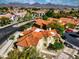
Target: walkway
x=5, y=48
x=66, y=53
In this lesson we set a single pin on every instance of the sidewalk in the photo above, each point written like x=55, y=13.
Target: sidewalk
x=8, y=25
x=17, y=24
x=23, y=23
x=5, y=48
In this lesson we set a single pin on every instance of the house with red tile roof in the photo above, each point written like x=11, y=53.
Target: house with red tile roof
x=68, y=20
x=41, y=22
x=31, y=38
x=62, y=21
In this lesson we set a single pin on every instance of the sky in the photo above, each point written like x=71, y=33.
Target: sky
x=62, y=2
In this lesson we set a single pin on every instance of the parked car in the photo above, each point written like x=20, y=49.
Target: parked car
x=69, y=30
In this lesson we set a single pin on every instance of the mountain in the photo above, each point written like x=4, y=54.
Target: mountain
x=48, y=5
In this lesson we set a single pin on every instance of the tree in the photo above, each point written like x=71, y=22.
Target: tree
x=58, y=27
x=4, y=21
x=49, y=13
x=11, y=8
x=35, y=9
x=28, y=16
x=45, y=17
x=58, y=44
x=70, y=25
x=27, y=53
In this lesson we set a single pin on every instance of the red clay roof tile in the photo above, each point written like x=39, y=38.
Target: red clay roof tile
x=22, y=43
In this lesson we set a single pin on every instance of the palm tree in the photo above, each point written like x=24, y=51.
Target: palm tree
x=27, y=53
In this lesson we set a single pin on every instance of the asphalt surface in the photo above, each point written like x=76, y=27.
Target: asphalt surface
x=6, y=32
x=72, y=38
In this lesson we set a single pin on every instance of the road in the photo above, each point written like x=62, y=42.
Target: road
x=6, y=32
x=72, y=38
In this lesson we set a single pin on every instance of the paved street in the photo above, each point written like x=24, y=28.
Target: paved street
x=72, y=38
x=6, y=32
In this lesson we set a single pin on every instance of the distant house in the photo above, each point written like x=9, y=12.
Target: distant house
x=56, y=11
x=14, y=17
x=8, y=15
x=21, y=14
x=39, y=13
x=62, y=21
x=69, y=20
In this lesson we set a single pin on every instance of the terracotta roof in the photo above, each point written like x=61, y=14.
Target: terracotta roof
x=33, y=37
x=41, y=22
x=54, y=33
x=76, y=21
x=25, y=32
x=46, y=33
x=22, y=43
x=37, y=35
x=30, y=40
x=51, y=20
x=68, y=20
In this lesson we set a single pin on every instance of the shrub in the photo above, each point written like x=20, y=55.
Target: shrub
x=27, y=53
x=45, y=17
x=4, y=21
x=70, y=25
x=56, y=46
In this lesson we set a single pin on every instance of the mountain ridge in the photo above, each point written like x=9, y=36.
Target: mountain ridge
x=48, y=5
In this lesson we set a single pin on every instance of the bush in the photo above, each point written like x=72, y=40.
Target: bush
x=56, y=46
x=28, y=53
x=4, y=21
x=45, y=17
x=49, y=13
x=70, y=25
x=12, y=37
x=58, y=27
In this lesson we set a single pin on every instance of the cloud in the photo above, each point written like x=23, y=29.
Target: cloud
x=64, y=2
x=29, y=1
